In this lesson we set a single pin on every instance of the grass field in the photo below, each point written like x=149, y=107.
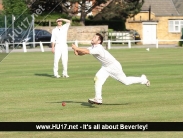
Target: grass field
x=30, y=93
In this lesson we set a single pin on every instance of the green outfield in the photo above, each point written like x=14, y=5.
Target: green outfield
x=30, y=93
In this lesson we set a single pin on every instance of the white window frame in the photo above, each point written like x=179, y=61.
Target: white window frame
x=174, y=26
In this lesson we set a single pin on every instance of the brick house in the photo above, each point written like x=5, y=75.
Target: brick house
x=158, y=19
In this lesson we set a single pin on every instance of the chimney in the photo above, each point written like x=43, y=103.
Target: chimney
x=149, y=12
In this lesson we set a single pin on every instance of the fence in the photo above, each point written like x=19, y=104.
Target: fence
x=121, y=35
x=5, y=47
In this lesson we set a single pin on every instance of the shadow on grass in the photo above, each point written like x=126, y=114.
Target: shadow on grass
x=88, y=104
x=45, y=75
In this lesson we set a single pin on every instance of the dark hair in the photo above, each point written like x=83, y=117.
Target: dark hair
x=100, y=37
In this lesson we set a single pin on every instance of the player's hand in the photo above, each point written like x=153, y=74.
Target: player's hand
x=75, y=52
x=53, y=50
x=74, y=46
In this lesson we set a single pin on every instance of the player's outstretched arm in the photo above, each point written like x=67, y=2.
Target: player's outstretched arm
x=80, y=51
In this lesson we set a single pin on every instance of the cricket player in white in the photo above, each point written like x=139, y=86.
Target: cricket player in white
x=60, y=47
x=110, y=67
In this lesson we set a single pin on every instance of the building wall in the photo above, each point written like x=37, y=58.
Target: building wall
x=162, y=26
x=162, y=30
x=81, y=33
x=135, y=23
x=143, y=16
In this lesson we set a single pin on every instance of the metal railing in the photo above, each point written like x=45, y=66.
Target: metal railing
x=5, y=46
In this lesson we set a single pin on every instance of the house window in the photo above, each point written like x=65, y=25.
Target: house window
x=175, y=26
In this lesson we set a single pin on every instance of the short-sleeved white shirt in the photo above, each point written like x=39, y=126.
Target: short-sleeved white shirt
x=59, y=35
x=102, y=55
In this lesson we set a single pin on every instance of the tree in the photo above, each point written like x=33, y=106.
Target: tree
x=14, y=7
x=70, y=7
x=120, y=9
x=50, y=6
x=17, y=8
x=81, y=6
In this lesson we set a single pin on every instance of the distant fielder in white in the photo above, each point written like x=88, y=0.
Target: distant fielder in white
x=110, y=67
x=60, y=47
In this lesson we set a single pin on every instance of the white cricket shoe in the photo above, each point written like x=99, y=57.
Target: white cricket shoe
x=95, y=101
x=57, y=76
x=145, y=80
x=65, y=76
x=148, y=83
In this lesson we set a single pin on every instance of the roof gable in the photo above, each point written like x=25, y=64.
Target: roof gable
x=164, y=7
x=179, y=6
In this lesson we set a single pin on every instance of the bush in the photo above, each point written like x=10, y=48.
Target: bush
x=110, y=30
x=117, y=25
x=180, y=43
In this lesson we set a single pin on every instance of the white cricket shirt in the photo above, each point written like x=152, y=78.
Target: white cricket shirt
x=102, y=55
x=59, y=35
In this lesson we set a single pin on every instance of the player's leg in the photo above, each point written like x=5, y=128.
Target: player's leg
x=57, y=56
x=99, y=80
x=65, y=62
x=131, y=79
x=117, y=73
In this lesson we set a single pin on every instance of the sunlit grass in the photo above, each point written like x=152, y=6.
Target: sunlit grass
x=30, y=93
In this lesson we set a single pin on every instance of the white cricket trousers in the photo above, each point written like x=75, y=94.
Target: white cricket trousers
x=61, y=51
x=115, y=71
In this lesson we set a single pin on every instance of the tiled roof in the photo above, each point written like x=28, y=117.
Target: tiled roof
x=164, y=7
x=179, y=6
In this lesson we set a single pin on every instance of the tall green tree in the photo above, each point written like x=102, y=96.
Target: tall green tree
x=14, y=7
x=20, y=11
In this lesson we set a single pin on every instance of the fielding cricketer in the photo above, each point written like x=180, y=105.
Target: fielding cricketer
x=110, y=67
x=60, y=47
